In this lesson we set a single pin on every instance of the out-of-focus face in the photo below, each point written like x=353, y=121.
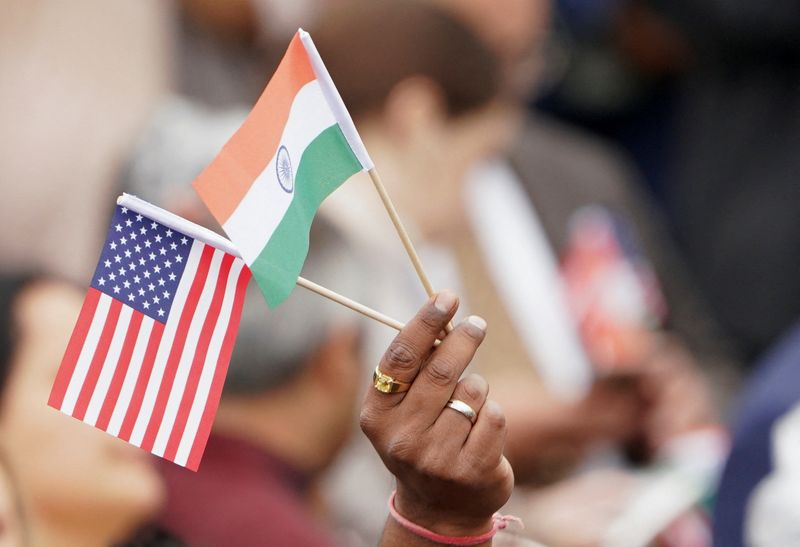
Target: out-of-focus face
x=11, y=530
x=445, y=151
x=69, y=474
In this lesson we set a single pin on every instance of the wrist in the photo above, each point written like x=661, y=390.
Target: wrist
x=440, y=520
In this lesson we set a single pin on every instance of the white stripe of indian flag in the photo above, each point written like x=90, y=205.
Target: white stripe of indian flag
x=270, y=225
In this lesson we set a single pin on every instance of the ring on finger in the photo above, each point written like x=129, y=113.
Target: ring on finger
x=463, y=408
x=386, y=384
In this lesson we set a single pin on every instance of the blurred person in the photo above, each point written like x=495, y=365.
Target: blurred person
x=733, y=190
x=757, y=500
x=552, y=175
x=77, y=486
x=13, y=532
x=287, y=409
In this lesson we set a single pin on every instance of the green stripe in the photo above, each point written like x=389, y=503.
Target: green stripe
x=325, y=164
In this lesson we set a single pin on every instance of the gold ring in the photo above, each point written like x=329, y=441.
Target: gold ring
x=386, y=384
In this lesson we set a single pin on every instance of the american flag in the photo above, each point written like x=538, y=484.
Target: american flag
x=148, y=356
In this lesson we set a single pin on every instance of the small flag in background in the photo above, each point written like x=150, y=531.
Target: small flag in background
x=296, y=146
x=148, y=356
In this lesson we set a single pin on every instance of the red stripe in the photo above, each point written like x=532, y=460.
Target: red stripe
x=74, y=347
x=121, y=370
x=199, y=359
x=141, y=382
x=187, y=314
x=214, y=393
x=90, y=382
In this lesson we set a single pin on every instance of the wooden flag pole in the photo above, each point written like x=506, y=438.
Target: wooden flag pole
x=352, y=304
x=401, y=231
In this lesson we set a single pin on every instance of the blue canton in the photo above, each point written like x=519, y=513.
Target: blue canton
x=142, y=263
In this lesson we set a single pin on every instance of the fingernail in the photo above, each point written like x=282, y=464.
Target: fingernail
x=445, y=301
x=476, y=322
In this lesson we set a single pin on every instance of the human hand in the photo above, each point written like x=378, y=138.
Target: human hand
x=451, y=475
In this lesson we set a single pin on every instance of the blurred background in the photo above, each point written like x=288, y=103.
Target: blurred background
x=613, y=184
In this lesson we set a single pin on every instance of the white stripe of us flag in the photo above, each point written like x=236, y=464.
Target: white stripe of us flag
x=148, y=356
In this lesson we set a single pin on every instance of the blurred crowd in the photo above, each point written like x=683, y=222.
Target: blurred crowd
x=614, y=185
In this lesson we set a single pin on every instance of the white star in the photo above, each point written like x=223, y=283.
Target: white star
x=157, y=269
x=142, y=230
x=151, y=287
x=161, y=281
x=178, y=259
x=101, y=281
x=113, y=246
x=153, y=225
x=131, y=297
x=141, y=292
x=123, y=240
x=117, y=258
x=126, y=284
x=152, y=256
x=141, y=262
x=132, y=266
x=166, y=294
x=146, y=304
x=172, y=276
x=118, y=227
x=156, y=300
x=127, y=253
x=184, y=241
x=169, y=233
x=107, y=263
x=162, y=251
x=147, y=243
x=137, y=249
x=168, y=264
x=133, y=236
x=136, y=279
x=124, y=210
x=121, y=271
x=173, y=245
x=112, y=276
x=116, y=289
x=138, y=218
x=158, y=238
x=128, y=223
x=147, y=274
x=160, y=312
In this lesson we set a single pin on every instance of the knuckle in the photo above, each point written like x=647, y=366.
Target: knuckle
x=402, y=449
x=432, y=320
x=441, y=372
x=366, y=420
x=473, y=387
x=400, y=355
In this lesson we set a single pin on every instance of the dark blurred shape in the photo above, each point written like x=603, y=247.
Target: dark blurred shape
x=369, y=47
x=771, y=394
x=735, y=190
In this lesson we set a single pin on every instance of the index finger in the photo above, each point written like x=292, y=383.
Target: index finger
x=413, y=345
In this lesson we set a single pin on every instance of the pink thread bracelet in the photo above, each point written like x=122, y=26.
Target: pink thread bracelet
x=499, y=522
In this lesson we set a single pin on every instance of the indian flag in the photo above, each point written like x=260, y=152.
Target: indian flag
x=296, y=146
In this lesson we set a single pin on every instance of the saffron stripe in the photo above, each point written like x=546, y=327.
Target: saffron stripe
x=74, y=347
x=167, y=379
x=193, y=380
x=325, y=165
x=121, y=370
x=142, y=381
x=227, y=179
x=212, y=402
x=98, y=359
